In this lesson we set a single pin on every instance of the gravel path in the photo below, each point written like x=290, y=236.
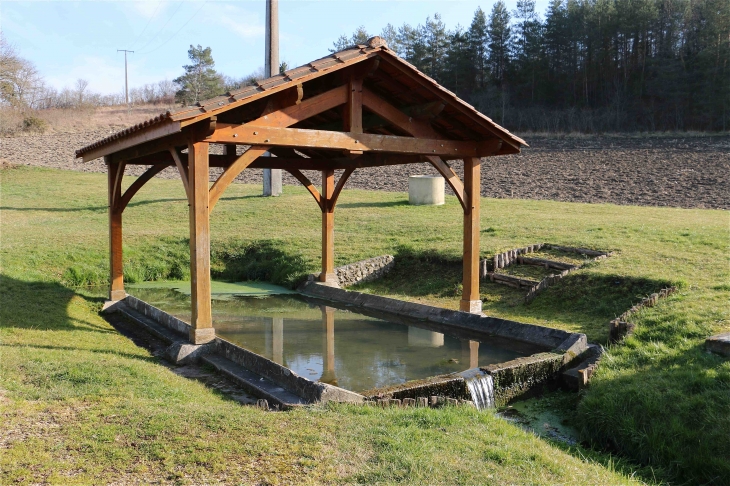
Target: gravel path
x=690, y=172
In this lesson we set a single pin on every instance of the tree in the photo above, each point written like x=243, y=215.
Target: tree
x=478, y=42
x=500, y=36
x=200, y=80
x=360, y=36
x=21, y=85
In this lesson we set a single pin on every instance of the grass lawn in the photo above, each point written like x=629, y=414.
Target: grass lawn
x=81, y=403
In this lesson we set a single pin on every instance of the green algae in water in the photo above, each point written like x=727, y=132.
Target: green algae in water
x=219, y=289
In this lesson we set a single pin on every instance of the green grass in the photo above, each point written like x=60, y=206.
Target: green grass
x=80, y=403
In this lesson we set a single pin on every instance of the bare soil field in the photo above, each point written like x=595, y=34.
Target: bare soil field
x=689, y=171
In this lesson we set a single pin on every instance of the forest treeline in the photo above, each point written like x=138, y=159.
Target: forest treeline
x=584, y=65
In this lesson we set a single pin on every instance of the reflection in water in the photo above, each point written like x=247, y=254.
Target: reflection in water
x=370, y=353
x=328, y=348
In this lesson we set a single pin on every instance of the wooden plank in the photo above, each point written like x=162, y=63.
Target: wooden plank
x=137, y=185
x=340, y=184
x=232, y=171
x=301, y=138
x=201, y=329
x=328, y=228
x=184, y=170
x=470, y=301
x=133, y=139
x=116, y=272
x=295, y=113
x=310, y=187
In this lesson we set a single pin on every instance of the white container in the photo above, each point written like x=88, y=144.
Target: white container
x=426, y=190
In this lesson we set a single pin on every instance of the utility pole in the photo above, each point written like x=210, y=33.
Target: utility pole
x=126, y=84
x=272, y=177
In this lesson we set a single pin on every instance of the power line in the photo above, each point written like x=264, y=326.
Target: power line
x=179, y=30
x=159, y=4
x=163, y=27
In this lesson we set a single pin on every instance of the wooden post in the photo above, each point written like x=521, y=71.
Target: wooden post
x=328, y=229
x=470, y=297
x=201, y=330
x=116, y=271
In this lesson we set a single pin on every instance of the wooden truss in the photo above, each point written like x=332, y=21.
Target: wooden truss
x=273, y=133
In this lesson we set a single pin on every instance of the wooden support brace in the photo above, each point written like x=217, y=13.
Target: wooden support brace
x=338, y=189
x=232, y=171
x=137, y=185
x=184, y=172
x=308, y=184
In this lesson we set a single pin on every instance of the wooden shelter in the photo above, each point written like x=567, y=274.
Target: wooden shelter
x=360, y=107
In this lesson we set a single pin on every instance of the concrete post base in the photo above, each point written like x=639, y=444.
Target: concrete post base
x=181, y=353
x=202, y=336
x=330, y=280
x=471, y=306
x=117, y=295
x=110, y=306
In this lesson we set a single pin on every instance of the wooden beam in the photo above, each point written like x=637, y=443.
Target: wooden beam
x=470, y=301
x=328, y=230
x=137, y=185
x=183, y=169
x=232, y=171
x=116, y=272
x=310, y=187
x=297, y=137
x=366, y=160
x=201, y=329
x=295, y=113
x=340, y=184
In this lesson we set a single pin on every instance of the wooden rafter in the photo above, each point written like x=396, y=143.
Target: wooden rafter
x=295, y=113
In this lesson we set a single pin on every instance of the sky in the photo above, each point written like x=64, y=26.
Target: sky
x=70, y=40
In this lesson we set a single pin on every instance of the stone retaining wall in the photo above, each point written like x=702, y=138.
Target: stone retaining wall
x=365, y=270
x=621, y=327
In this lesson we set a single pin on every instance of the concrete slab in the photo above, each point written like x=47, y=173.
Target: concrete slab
x=719, y=344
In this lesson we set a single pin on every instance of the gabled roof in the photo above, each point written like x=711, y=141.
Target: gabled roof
x=395, y=78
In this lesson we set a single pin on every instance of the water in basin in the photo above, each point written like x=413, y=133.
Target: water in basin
x=336, y=345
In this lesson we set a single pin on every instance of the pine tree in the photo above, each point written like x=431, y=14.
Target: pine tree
x=500, y=35
x=478, y=45
x=200, y=80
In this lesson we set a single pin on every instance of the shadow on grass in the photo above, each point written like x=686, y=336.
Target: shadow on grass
x=383, y=204
x=42, y=306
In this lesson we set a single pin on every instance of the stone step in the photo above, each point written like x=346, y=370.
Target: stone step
x=578, y=376
x=719, y=344
x=255, y=384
